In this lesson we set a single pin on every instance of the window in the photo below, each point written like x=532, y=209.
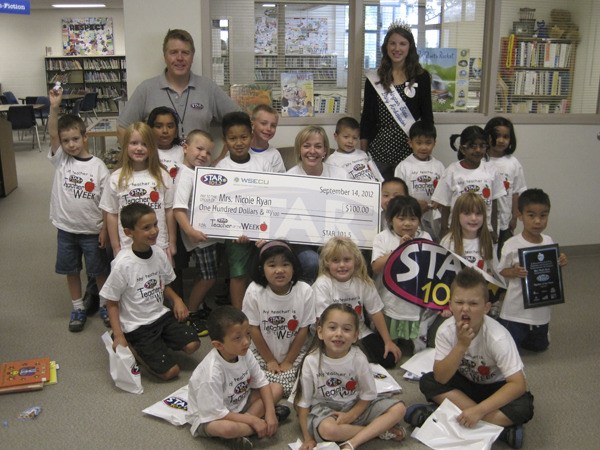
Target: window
x=322, y=51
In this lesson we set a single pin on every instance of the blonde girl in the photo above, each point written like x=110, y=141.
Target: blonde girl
x=336, y=399
x=343, y=278
x=140, y=179
x=468, y=236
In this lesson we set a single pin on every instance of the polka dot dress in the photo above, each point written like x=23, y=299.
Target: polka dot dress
x=285, y=379
x=390, y=145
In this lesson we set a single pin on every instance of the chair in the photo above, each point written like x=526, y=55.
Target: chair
x=3, y=100
x=88, y=105
x=23, y=118
x=12, y=100
x=43, y=113
x=75, y=110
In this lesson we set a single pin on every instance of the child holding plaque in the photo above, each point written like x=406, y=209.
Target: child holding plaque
x=528, y=327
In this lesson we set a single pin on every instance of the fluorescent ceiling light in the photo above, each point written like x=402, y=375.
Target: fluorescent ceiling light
x=268, y=5
x=82, y=5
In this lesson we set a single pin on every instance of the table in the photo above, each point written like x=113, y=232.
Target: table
x=99, y=130
x=4, y=108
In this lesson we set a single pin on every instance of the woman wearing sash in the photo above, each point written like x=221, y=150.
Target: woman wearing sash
x=395, y=96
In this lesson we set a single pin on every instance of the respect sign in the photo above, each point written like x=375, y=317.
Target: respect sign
x=421, y=272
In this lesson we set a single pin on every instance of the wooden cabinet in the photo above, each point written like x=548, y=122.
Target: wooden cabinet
x=538, y=74
x=106, y=75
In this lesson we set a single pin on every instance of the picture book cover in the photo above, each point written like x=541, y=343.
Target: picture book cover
x=449, y=69
x=297, y=94
x=26, y=374
x=248, y=96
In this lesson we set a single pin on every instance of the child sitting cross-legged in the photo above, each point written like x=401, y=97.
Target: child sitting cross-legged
x=477, y=366
x=229, y=394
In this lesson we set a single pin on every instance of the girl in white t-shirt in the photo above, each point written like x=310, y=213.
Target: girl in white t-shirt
x=279, y=309
x=336, y=399
x=343, y=278
x=468, y=236
x=140, y=179
x=406, y=320
x=165, y=125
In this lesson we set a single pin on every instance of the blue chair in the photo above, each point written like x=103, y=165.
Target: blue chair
x=21, y=118
x=12, y=100
x=3, y=100
x=88, y=105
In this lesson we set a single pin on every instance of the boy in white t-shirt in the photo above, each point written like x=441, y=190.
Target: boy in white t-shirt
x=198, y=148
x=264, y=124
x=237, y=133
x=528, y=327
x=477, y=366
x=229, y=394
x=135, y=291
x=421, y=172
x=348, y=156
x=79, y=180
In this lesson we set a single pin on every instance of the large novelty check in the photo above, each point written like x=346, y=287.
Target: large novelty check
x=300, y=209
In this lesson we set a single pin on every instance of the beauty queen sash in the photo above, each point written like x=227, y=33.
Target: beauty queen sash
x=393, y=101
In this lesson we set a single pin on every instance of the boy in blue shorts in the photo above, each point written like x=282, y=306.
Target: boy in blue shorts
x=477, y=366
x=74, y=206
x=528, y=327
x=135, y=291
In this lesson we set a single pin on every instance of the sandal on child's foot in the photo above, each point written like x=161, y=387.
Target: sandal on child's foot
x=240, y=443
x=396, y=433
x=346, y=445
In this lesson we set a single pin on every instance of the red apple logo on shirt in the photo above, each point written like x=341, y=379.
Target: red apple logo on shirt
x=506, y=184
x=358, y=309
x=154, y=196
x=480, y=264
x=483, y=370
x=173, y=171
x=89, y=186
x=435, y=183
x=486, y=192
x=292, y=324
x=263, y=227
x=351, y=385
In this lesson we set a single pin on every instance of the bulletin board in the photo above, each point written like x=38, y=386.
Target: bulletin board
x=88, y=36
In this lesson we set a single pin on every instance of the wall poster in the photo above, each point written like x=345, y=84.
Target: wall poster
x=89, y=36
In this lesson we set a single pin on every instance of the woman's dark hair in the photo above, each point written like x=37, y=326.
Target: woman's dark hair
x=269, y=250
x=468, y=136
x=402, y=206
x=164, y=111
x=490, y=129
x=412, y=67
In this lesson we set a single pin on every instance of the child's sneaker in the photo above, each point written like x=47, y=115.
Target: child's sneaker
x=198, y=324
x=77, y=321
x=203, y=312
x=104, y=316
x=513, y=436
x=281, y=412
x=417, y=414
x=240, y=443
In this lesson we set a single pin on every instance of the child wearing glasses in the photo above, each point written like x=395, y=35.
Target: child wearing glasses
x=471, y=173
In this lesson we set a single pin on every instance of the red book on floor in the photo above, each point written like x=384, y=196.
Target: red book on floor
x=25, y=375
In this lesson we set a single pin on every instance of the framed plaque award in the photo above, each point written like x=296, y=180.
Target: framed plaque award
x=543, y=285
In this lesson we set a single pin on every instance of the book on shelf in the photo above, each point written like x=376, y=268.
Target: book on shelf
x=24, y=375
x=297, y=94
x=248, y=96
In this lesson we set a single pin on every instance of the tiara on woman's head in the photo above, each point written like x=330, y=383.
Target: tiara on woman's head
x=400, y=24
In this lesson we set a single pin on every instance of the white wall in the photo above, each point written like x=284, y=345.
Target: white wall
x=23, y=42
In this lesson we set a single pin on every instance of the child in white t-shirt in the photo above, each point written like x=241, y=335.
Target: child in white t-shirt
x=165, y=125
x=197, y=148
x=79, y=180
x=134, y=293
x=229, y=395
x=348, y=156
x=264, y=124
x=280, y=309
x=421, y=172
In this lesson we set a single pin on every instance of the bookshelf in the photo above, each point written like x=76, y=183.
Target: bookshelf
x=267, y=68
x=538, y=74
x=106, y=75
